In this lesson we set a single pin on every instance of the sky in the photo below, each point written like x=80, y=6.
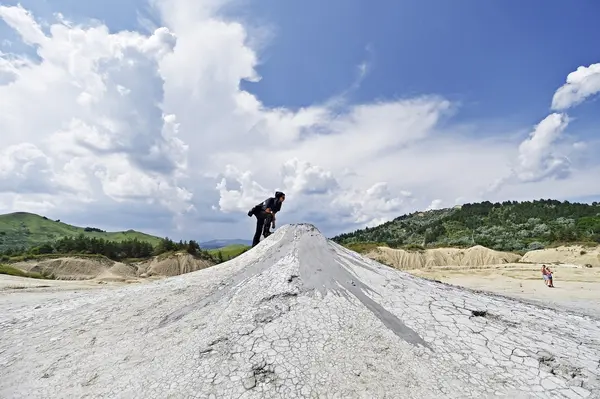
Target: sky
x=175, y=117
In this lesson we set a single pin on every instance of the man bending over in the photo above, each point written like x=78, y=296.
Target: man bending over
x=265, y=215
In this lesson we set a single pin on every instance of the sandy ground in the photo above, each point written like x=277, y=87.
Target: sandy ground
x=13, y=284
x=576, y=278
x=576, y=288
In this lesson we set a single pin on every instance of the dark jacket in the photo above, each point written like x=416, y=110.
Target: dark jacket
x=271, y=203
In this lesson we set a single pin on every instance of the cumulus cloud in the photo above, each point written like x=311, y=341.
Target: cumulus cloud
x=25, y=168
x=245, y=193
x=580, y=85
x=312, y=190
x=540, y=157
x=435, y=204
x=303, y=178
x=369, y=207
x=536, y=159
x=93, y=105
x=22, y=21
x=157, y=123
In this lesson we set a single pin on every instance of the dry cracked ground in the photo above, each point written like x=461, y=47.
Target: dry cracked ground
x=296, y=317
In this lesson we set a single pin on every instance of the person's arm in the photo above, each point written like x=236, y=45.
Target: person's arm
x=270, y=206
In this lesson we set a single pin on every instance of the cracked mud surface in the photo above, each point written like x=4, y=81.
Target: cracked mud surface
x=295, y=317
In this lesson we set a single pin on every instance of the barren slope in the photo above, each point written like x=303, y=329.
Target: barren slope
x=474, y=256
x=572, y=254
x=104, y=269
x=297, y=316
x=68, y=268
x=172, y=265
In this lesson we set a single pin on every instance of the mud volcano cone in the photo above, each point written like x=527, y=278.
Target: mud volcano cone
x=297, y=316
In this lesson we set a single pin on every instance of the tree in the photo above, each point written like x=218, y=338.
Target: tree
x=512, y=223
x=193, y=247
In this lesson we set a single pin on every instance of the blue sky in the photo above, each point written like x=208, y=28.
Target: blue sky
x=500, y=59
x=499, y=63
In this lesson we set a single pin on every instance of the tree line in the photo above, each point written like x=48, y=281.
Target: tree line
x=115, y=250
x=508, y=225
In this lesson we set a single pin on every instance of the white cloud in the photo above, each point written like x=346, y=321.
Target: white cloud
x=310, y=189
x=244, y=196
x=374, y=205
x=435, y=204
x=93, y=104
x=304, y=178
x=22, y=21
x=581, y=84
x=536, y=158
x=125, y=120
x=540, y=156
x=25, y=168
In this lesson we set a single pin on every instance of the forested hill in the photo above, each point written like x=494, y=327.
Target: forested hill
x=507, y=226
x=22, y=230
x=25, y=235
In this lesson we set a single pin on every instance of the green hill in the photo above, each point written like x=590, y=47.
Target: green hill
x=228, y=252
x=26, y=230
x=506, y=226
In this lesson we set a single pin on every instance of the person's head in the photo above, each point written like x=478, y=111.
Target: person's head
x=279, y=196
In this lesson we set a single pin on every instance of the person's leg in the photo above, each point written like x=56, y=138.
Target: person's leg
x=267, y=226
x=259, y=227
x=253, y=211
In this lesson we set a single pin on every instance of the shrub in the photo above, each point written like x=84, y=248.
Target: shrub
x=414, y=247
x=362, y=247
x=535, y=245
x=13, y=271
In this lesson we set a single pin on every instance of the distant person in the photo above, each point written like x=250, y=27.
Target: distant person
x=547, y=275
x=265, y=215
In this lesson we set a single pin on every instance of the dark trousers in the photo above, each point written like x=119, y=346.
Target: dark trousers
x=263, y=225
